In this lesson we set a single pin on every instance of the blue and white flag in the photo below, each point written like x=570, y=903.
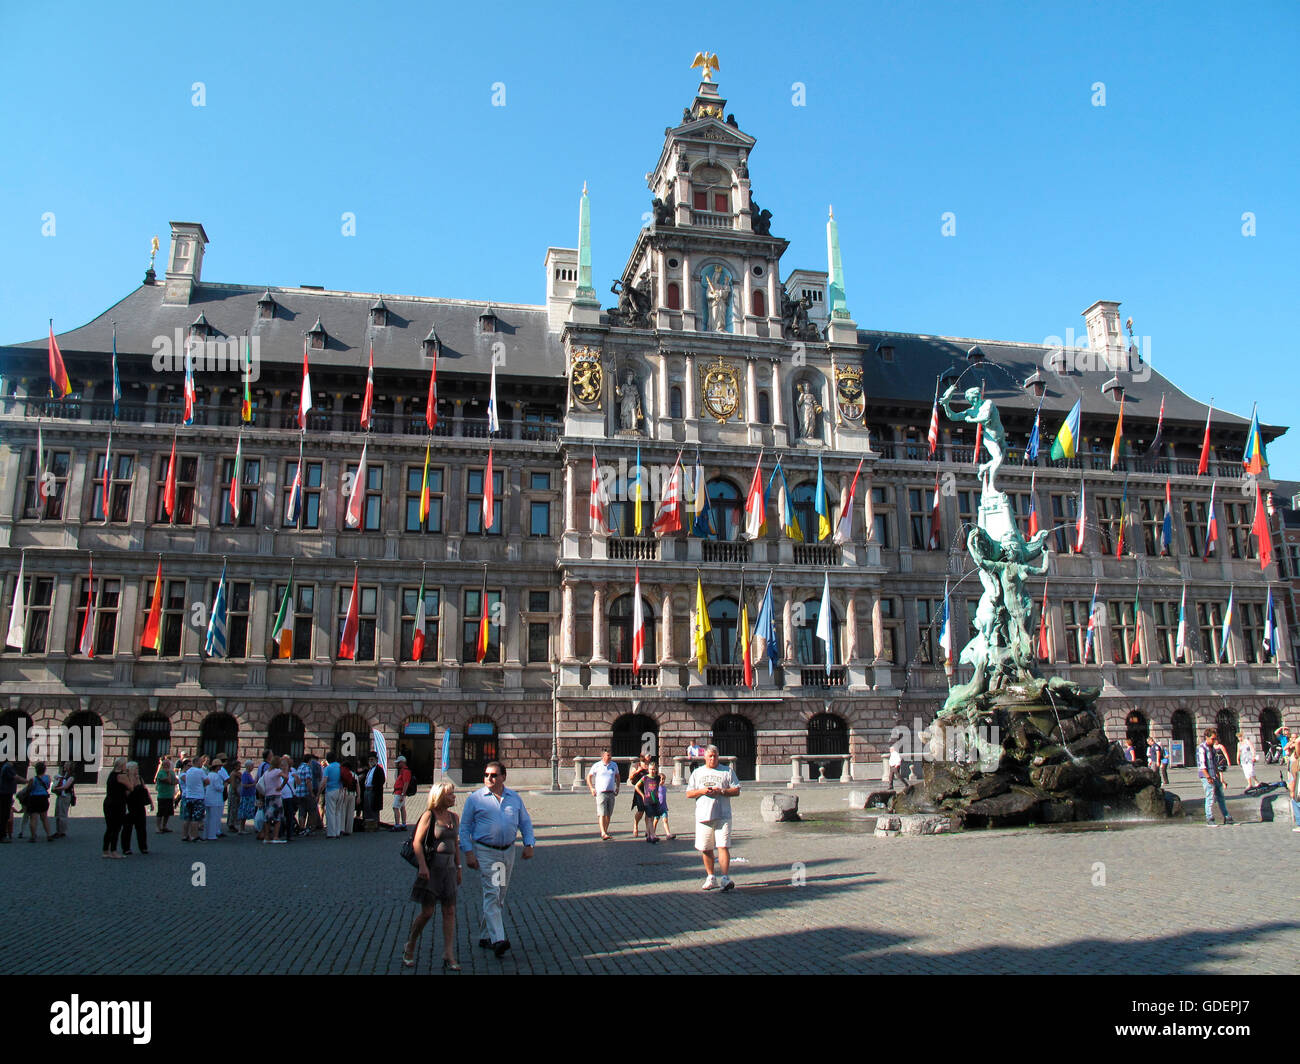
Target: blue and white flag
x=1226, y=633
x=117, y=381
x=494, y=419
x=1031, y=448
x=215, y=646
x=765, y=630
x=1180, y=642
x=380, y=746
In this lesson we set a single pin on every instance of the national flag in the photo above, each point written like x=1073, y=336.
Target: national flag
x=42, y=491
x=765, y=629
x=86, y=645
x=704, y=525
x=106, y=481
x=824, y=619
x=234, y=478
x=1259, y=527
x=215, y=645
x=820, y=505
x=493, y=418
x=1092, y=626
x=117, y=381
x=489, y=495
x=844, y=532
x=418, y=633
x=1135, y=646
x=1066, y=444
x=1044, y=646
x=638, y=625
x=368, y=400
x=151, y=638
x=1117, y=445
x=1160, y=427
x=294, y=507
x=1253, y=460
x=1081, y=522
x=59, y=386
x=169, y=483
x=755, y=504
x=190, y=397
x=636, y=495
x=1270, y=626
x=1123, y=518
x=17, y=634
x=424, y=484
x=304, y=400
x=746, y=656
x=699, y=493
x=935, y=530
x=481, y=645
x=1167, y=522
x=945, y=633
x=353, y=516
x=431, y=403
x=788, y=519
x=351, y=623
x=1031, y=448
x=246, y=407
x=701, y=628
x=1226, y=633
x=933, y=435
x=870, y=507
x=598, y=511
x=669, y=517
x=282, y=629
x=1212, y=531
x=1033, y=506
x=1202, y=467
x=1180, y=640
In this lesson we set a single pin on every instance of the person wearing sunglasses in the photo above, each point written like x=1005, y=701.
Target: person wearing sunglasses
x=494, y=816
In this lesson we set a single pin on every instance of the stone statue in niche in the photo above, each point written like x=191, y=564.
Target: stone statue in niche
x=629, y=403
x=794, y=318
x=719, y=299
x=807, y=407
x=761, y=220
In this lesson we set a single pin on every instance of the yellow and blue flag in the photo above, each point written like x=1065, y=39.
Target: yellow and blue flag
x=1067, y=439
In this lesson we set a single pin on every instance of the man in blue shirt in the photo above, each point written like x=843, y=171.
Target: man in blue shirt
x=493, y=817
x=333, y=797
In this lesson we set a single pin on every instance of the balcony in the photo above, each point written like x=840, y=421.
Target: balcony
x=820, y=555
x=812, y=676
x=724, y=675
x=710, y=220
x=712, y=550
x=623, y=676
x=633, y=550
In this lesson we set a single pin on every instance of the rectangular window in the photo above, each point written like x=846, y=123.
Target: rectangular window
x=539, y=518
x=373, y=501
x=1209, y=623
x=414, y=489
x=1293, y=552
x=919, y=502
x=38, y=596
x=432, y=617
x=55, y=479
x=187, y=469
x=1075, y=614
x=1238, y=517
x=250, y=477
x=1252, y=633
x=119, y=489
x=313, y=474
x=1123, y=630
x=107, y=594
x=539, y=481
x=171, y=617
x=304, y=617
x=1020, y=507
x=539, y=602
x=967, y=501
x=539, y=642
x=1166, y=640
x=473, y=615
x=1108, y=521
x=1194, y=521
x=367, y=614
x=474, y=502
x=889, y=640
x=1065, y=512
x=928, y=612
x=1153, y=523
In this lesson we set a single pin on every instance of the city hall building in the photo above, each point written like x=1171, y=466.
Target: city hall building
x=707, y=354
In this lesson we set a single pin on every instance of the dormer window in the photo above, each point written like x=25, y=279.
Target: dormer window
x=487, y=321
x=266, y=307
x=316, y=336
x=1114, y=389
x=201, y=330
x=431, y=344
x=378, y=314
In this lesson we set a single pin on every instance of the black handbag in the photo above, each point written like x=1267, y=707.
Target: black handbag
x=407, y=851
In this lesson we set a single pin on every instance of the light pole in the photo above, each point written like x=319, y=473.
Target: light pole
x=555, y=726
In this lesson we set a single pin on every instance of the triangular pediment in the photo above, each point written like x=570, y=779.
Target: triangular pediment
x=714, y=131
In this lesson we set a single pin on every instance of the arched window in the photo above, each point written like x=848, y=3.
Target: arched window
x=634, y=734
x=1138, y=728
x=827, y=734
x=764, y=408
x=759, y=303
x=724, y=501
x=621, y=633
x=803, y=499
x=17, y=723
x=1226, y=723
x=810, y=649
x=722, y=639
x=733, y=735
x=674, y=402
x=1183, y=727
x=219, y=734
x=352, y=738
x=286, y=735
x=673, y=296
x=150, y=743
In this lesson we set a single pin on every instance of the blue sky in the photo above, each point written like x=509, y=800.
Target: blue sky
x=911, y=110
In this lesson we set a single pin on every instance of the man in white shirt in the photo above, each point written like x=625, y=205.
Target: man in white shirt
x=602, y=780
x=713, y=787
x=194, y=782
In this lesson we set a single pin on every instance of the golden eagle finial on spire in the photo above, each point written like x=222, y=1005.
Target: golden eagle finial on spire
x=707, y=60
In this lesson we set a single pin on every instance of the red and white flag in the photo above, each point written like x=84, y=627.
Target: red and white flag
x=1259, y=526
x=669, y=517
x=87, y=644
x=169, y=484
x=42, y=491
x=1203, y=466
x=1033, y=505
x=489, y=503
x=368, y=401
x=638, y=626
x=351, y=624
x=844, y=530
x=304, y=401
x=599, y=508
x=357, y=498
x=755, y=508
x=933, y=435
x=1212, y=531
x=189, y=392
x=935, y=531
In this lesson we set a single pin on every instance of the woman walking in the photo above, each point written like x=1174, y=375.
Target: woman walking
x=64, y=797
x=138, y=800
x=439, y=873
x=38, y=801
x=165, y=781
x=114, y=807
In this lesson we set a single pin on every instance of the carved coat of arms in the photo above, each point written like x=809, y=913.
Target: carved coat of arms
x=848, y=392
x=720, y=390
x=586, y=378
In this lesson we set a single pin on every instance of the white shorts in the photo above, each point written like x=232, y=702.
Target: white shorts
x=713, y=834
x=399, y=801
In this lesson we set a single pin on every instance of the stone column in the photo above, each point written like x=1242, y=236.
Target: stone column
x=787, y=626
x=663, y=409
x=666, y=627
x=598, y=623
x=851, y=633
x=568, y=627
x=779, y=429
x=773, y=292
x=877, y=628
x=687, y=287
x=570, y=501
x=751, y=392
x=661, y=271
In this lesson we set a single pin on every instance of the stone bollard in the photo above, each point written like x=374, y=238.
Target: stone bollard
x=775, y=808
x=887, y=825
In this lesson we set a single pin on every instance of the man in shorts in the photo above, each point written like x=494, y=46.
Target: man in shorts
x=713, y=787
x=602, y=780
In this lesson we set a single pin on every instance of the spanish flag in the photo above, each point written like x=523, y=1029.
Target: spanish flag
x=1066, y=444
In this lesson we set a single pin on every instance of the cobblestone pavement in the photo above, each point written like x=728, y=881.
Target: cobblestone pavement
x=822, y=896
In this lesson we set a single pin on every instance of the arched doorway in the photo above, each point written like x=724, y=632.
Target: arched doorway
x=1182, y=725
x=219, y=734
x=634, y=734
x=352, y=738
x=15, y=737
x=80, y=742
x=478, y=747
x=733, y=735
x=1226, y=723
x=1269, y=722
x=416, y=744
x=150, y=743
x=1138, y=728
x=286, y=735
x=827, y=734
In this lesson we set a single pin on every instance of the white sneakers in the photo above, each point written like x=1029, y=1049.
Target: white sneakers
x=709, y=883
x=726, y=883
x=721, y=882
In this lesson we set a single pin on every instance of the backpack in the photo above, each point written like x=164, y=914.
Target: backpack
x=410, y=785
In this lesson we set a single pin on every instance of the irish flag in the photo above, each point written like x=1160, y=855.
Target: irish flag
x=282, y=630
x=421, y=624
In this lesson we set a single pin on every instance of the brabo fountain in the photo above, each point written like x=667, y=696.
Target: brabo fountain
x=1013, y=747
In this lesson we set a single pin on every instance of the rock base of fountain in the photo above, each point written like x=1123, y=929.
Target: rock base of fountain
x=1009, y=763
